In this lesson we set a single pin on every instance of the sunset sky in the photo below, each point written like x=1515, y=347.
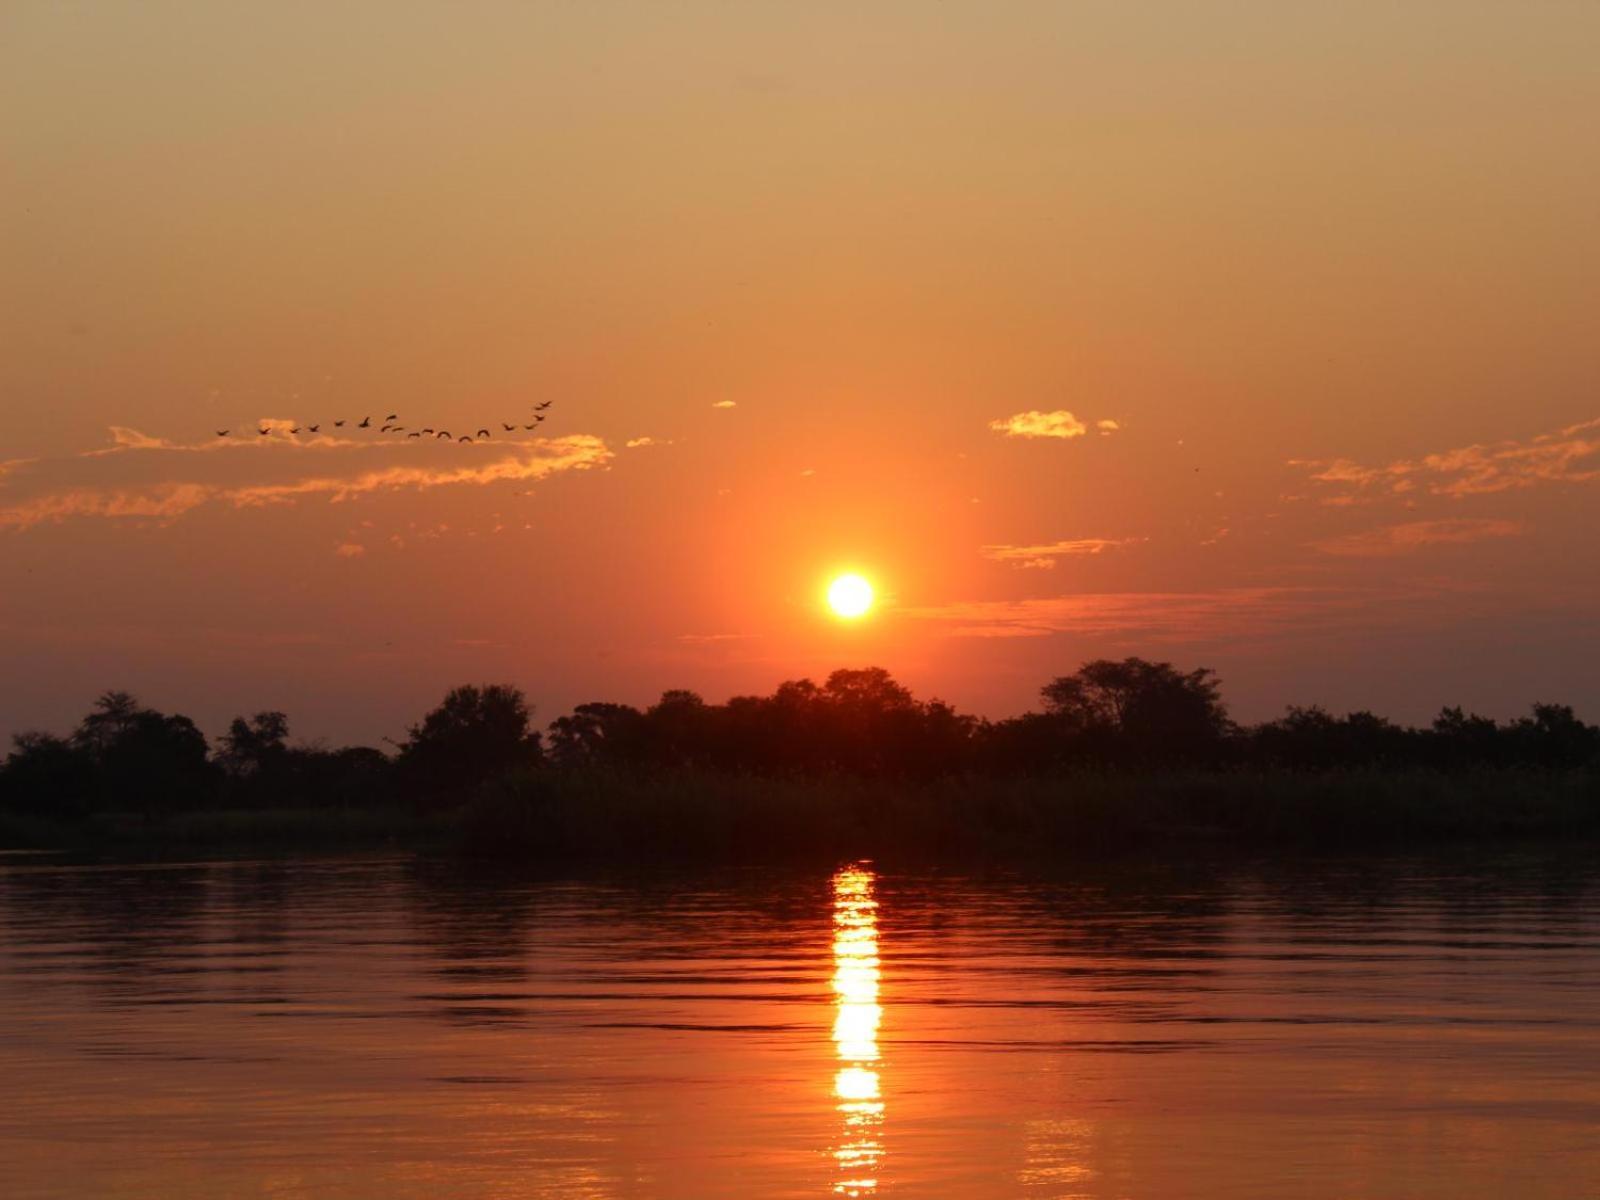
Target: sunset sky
x=1251, y=336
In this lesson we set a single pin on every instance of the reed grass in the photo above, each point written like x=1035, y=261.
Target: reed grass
x=685, y=814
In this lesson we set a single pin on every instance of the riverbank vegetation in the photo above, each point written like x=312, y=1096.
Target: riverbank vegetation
x=1121, y=753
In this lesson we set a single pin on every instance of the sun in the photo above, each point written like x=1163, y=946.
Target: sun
x=850, y=596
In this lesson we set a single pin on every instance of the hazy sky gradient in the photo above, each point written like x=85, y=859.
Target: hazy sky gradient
x=1331, y=272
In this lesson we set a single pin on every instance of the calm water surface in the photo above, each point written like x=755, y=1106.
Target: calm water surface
x=394, y=1028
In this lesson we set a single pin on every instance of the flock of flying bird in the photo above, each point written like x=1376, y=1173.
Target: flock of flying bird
x=387, y=427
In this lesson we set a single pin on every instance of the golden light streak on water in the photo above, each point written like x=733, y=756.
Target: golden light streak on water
x=857, y=1086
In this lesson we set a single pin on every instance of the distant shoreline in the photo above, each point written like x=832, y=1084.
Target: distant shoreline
x=1126, y=754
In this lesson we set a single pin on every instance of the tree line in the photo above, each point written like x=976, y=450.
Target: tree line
x=1117, y=716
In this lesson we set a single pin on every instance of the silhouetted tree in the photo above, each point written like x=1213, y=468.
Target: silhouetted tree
x=48, y=776
x=264, y=771
x=1459, y=739
x=1313, y=739
x=1030, y=744
x=257, y=745
x=681, y=729
x=1137, y=711
x=869, y=691
x=944, y=741
x=154, y=763
x=598, y=733
x=1553, y=736
x=475, y=734
x=311, y=777
x=873, y=725
x=128, y=756
x=112, y=716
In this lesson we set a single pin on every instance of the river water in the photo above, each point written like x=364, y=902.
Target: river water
x=383, y=1028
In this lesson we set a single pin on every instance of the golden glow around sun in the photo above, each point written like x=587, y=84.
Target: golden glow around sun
x=850, y=596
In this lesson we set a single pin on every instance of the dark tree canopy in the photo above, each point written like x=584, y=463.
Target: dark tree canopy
x=870, y=691
x=161, y=762
x=1141, y=710
x=1313, y=738
x=255, y=745
x=477, y=732
x=598, y=733
x=48, y=776
x=1126, y=715
x=111, y=718
x=1552, y=733
x=129, y=756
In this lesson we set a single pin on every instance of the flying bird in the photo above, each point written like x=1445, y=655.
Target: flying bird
x=443, y=433
x=392, y=417
x=539, y=419
x=508, y=428
x=263, y=432
x=383, y=429
x=365, y=424
x=483, y=433
x=314, y=428
x=534, y=426
x=427, y=430
x=222, y=433
x=542, y=407
x=412, y=435
x=463, y=438
x=338, y=424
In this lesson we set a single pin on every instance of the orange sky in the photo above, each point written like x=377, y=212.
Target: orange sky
x=1332, y=275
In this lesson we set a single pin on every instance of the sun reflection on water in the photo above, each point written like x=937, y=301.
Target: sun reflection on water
x=856, y=1086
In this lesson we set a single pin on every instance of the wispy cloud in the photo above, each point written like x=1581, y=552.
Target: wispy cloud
x=572, y=453
x=1043, y=557
x=1153, y=616
x=1238, y=615
x=1107, y=427
x=277, y=440
x=639, y=443
x=350, y=550
x=1036, y=424
x=1392, y=540
x=42, y=497
x=161, y=501
x=725, y=404
x=124, y=439
x=1569, y=455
